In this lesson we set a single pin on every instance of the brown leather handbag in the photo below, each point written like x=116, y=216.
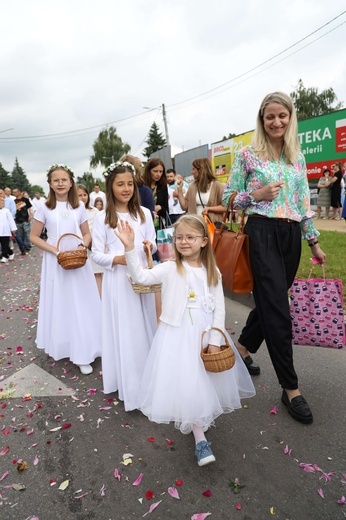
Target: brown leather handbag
x=231, y=249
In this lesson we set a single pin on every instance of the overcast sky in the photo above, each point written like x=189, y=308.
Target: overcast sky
x=72, y=67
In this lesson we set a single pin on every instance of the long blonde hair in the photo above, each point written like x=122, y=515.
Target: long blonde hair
x=261, y=142
x=134, y=207
x=197, y=224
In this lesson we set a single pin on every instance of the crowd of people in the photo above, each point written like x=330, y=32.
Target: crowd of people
x=151, y=344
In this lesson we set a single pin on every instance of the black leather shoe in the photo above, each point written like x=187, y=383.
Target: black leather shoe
x=253, y=369
x=298, y=408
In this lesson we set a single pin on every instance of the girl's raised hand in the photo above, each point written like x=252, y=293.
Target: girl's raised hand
x=126, y=234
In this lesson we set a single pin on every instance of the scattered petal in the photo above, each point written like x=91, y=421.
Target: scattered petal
x=179, y=482
x=207, y=493
x=64, y=485
x=273, y=411
x=117, y=474
x=4, y=475
x=52, y=482
x=138, y=480
x=154, y=506
x=320, y=492
x=272, y=511
x=238, y=506
x=18, y=487
x=22, y=466
x=342, y=501
x=169, y=442
x=151, y=439
x=36, y=461
x=4, y=450
x=102, y=491
x=82, y=495
x=200, y=516
x=65, y=426
x=173, y=492
x=149, y=495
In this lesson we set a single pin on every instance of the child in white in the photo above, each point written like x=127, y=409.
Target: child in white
x=128, y=318
x=175, y=385
x=70, y=309
x=7, y=228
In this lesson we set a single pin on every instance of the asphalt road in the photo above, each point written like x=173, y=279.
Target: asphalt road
x=58, y=430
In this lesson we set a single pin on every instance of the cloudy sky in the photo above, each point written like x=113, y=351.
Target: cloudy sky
x=71, y=67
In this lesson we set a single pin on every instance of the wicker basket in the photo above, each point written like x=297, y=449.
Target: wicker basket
x=73, y=259
x=147, y=289
x=220, y=361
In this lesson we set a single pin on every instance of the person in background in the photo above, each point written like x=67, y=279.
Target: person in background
x=336, y=191
x=324, y=194
x=83, y=195
x=22, y=219
x=204, y=195
x=97, y=193
x=37, y=202
x=99, y=204
x=8, y=193
x=9, y=203
x=69, y=309
x=145, y=193
x=7, y=229
x=155, y=178
x=175, y=210
x=270, y=179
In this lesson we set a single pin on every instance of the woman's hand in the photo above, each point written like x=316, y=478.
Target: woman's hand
x=205, y=211
x=147, y=244
x=124, y=231
x=213, y=349
x=269, y=192
x=319, y=254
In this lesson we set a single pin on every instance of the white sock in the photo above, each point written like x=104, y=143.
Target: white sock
x=198, y=434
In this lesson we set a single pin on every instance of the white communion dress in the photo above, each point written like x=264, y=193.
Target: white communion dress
x=128, y=319
x=175, y=386
x=69, y=313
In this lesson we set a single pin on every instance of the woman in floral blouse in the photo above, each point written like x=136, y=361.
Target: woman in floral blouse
x=270, y=178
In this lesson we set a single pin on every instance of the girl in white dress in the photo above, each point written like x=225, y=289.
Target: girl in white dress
x=175, y=385
x=84, y=196
x=128, y=318
x=69, y=310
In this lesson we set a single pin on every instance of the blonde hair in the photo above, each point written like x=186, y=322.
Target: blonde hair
x=206, y=174
x=197, y=224
x=137, y=164
x=134, y=207
x=261, y=142
x=72, y=196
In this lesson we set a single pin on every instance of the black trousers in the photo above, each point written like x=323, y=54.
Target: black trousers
x=6, y=251
x=275, y=249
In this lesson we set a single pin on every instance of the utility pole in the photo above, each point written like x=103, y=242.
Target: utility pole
x=164, y=116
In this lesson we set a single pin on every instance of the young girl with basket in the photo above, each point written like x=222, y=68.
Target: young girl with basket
x=176, y=385
x=69, y=309
x=128, y=318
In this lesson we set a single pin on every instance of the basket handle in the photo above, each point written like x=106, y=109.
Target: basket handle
x=214, y=328
x=67, y=234
x=149, y=256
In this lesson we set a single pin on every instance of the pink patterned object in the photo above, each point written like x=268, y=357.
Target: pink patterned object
x=317, y=313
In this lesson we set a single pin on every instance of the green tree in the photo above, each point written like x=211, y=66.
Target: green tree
x=108, y=148
x=230, y=135
x=5, y=178
x=36, y=188
x=155, y=141
x=309, y=102
x=88, y=180
x=19, y=178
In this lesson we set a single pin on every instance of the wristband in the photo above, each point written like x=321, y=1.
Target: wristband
x=313, y=243
x=81, y=244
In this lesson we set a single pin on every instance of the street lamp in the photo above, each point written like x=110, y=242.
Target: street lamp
x=7, y=130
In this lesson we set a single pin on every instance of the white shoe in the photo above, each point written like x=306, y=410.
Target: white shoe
x=86, y=369
x=11, y=257
x=4, y=260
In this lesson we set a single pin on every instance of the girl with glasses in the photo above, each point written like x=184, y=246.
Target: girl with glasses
x=175, y=386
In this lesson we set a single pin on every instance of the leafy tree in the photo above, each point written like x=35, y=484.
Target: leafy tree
x=155, y=141
x=108, y=148
x=88, y=180
x=36, y=188
x=19, y=179
x=309, y=102
x=5, y=179
x=230, y=135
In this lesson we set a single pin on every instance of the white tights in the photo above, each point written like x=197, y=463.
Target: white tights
x=198, y=433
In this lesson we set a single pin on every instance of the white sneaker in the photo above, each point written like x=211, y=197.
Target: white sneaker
x=11, y=257
x=4, y=260
x=86, y=369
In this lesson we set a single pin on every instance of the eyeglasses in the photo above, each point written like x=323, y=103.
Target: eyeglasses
x=61, y=181
x=189, y=239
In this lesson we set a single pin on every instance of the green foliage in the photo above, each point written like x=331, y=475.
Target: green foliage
x=309, y=102
x=36, y=188
x=108, y=148
x=5, y=178
x=333, y=244
x=230, y=135
x=19, y=178
x=155, y=141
